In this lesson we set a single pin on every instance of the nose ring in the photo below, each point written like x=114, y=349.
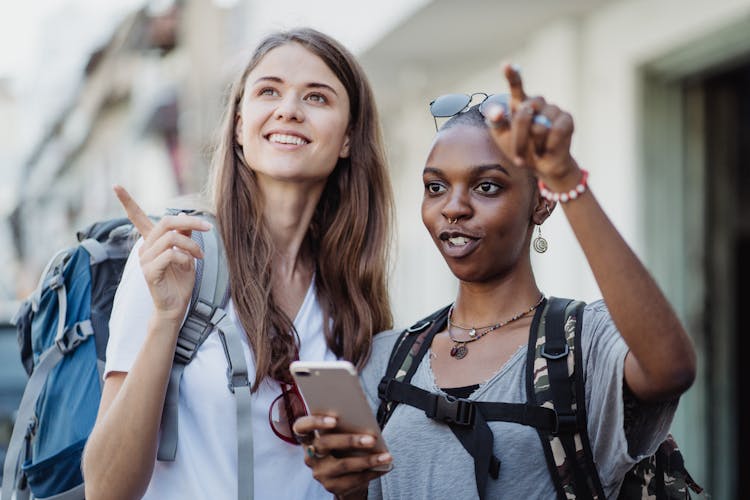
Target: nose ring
x=452, y=221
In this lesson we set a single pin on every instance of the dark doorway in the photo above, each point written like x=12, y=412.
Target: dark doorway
x=727, y=112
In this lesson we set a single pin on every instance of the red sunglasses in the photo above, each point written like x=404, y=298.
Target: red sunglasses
x=285, y=409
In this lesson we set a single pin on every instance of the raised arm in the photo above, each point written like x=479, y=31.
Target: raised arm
x=661, y=361
x=120, y=454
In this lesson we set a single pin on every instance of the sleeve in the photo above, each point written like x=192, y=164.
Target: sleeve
x=372, y=373
x=131, y=311
x=615, y=450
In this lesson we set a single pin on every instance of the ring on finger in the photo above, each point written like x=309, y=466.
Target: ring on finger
x=542, y=120
x=312, y=452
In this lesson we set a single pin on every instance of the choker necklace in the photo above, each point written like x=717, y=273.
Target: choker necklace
x=459, y=349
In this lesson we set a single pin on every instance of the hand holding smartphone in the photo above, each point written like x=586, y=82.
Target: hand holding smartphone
x=332, y=388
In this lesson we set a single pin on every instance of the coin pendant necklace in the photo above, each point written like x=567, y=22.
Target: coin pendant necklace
x=459, y=349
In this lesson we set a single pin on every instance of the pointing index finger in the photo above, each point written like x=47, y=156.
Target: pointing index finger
x=134, y=212
x=513, y=75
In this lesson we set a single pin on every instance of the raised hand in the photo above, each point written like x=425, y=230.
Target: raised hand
x=166, y=256
x=537, y=134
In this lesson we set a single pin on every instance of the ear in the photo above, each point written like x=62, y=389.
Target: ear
x=344, y=153
x=543, y=209
x=238, y=129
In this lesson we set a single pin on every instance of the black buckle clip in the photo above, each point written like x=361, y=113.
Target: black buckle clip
x=556, y=353
x=565, y=423
x=419, y=327
x=452, y=410
x=383, y=388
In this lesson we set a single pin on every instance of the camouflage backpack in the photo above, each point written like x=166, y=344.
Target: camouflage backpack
x=555, y=393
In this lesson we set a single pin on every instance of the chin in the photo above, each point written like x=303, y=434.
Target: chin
x=466, y=272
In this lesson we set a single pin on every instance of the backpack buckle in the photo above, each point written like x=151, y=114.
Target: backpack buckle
x=416, y=328
x=383, y=388
x=237, y=380
x=565, y=423
x=452, y=411
x=73, y=337
x=555, y=353
x=56, y=280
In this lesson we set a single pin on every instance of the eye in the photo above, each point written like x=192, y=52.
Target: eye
x=268, y=91
x=487, y=188
x=434, y=188
x=319, y=98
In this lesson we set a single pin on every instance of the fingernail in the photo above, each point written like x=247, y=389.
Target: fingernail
x=329, y=421
x=518, y=161
x=367, y=440
x=516, y=67
x=207, y=225
x=384, y=457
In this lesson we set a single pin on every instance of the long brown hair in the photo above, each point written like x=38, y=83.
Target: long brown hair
x=349, y=235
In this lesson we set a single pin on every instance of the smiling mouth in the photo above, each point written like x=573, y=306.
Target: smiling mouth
x=287, y=139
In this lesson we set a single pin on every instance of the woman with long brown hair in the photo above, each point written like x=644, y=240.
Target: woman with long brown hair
x=302, y=201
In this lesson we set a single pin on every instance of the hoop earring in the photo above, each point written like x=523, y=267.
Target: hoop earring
x=540, y=244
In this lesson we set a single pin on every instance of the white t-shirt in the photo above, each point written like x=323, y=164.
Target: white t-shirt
x=205, y=465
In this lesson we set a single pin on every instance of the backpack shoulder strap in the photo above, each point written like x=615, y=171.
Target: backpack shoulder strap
x=554, y=379
x=210, y=296
x=406, y=355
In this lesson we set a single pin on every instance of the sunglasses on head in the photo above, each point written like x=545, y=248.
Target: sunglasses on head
x=449, y=105
x=285, y=409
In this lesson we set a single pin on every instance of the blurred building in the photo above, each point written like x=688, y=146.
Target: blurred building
x=660, y=91
x=142, y=115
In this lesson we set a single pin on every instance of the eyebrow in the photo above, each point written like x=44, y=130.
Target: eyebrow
x=478, y=169
x=312, y=85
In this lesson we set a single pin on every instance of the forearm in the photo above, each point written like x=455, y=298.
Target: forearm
x=663, y=359
x=121, y=451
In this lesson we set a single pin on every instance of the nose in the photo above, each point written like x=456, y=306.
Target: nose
x=289, y=109
x=457, y=206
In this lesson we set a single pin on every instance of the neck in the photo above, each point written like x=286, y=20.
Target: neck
x=481, y=304
x=288, y=211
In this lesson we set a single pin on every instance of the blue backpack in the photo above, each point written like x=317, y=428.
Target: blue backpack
x=63, y=332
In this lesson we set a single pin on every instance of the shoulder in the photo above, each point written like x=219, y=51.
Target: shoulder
x=380, y=352
x=597, y=322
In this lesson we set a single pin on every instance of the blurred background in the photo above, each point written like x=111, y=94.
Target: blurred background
x=131, y=91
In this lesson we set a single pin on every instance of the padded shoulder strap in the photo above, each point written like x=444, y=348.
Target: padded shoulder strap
x=210, y=294
x=405, y=357
x=554, y=379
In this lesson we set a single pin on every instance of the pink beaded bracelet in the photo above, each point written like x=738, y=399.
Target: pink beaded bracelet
x=566, y=196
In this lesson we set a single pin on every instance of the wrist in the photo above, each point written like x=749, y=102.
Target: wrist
x=353, y=495
x=166, y=323
x=564, y=189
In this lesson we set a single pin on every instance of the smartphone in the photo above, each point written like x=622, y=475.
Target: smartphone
x=333, y=388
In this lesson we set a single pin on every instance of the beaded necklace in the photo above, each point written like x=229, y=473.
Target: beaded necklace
x=459, y=349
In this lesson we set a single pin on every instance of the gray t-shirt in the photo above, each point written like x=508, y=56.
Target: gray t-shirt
x=430, y=463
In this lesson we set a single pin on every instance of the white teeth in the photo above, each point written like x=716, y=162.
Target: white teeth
x=458, y=241
x=287, y=139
